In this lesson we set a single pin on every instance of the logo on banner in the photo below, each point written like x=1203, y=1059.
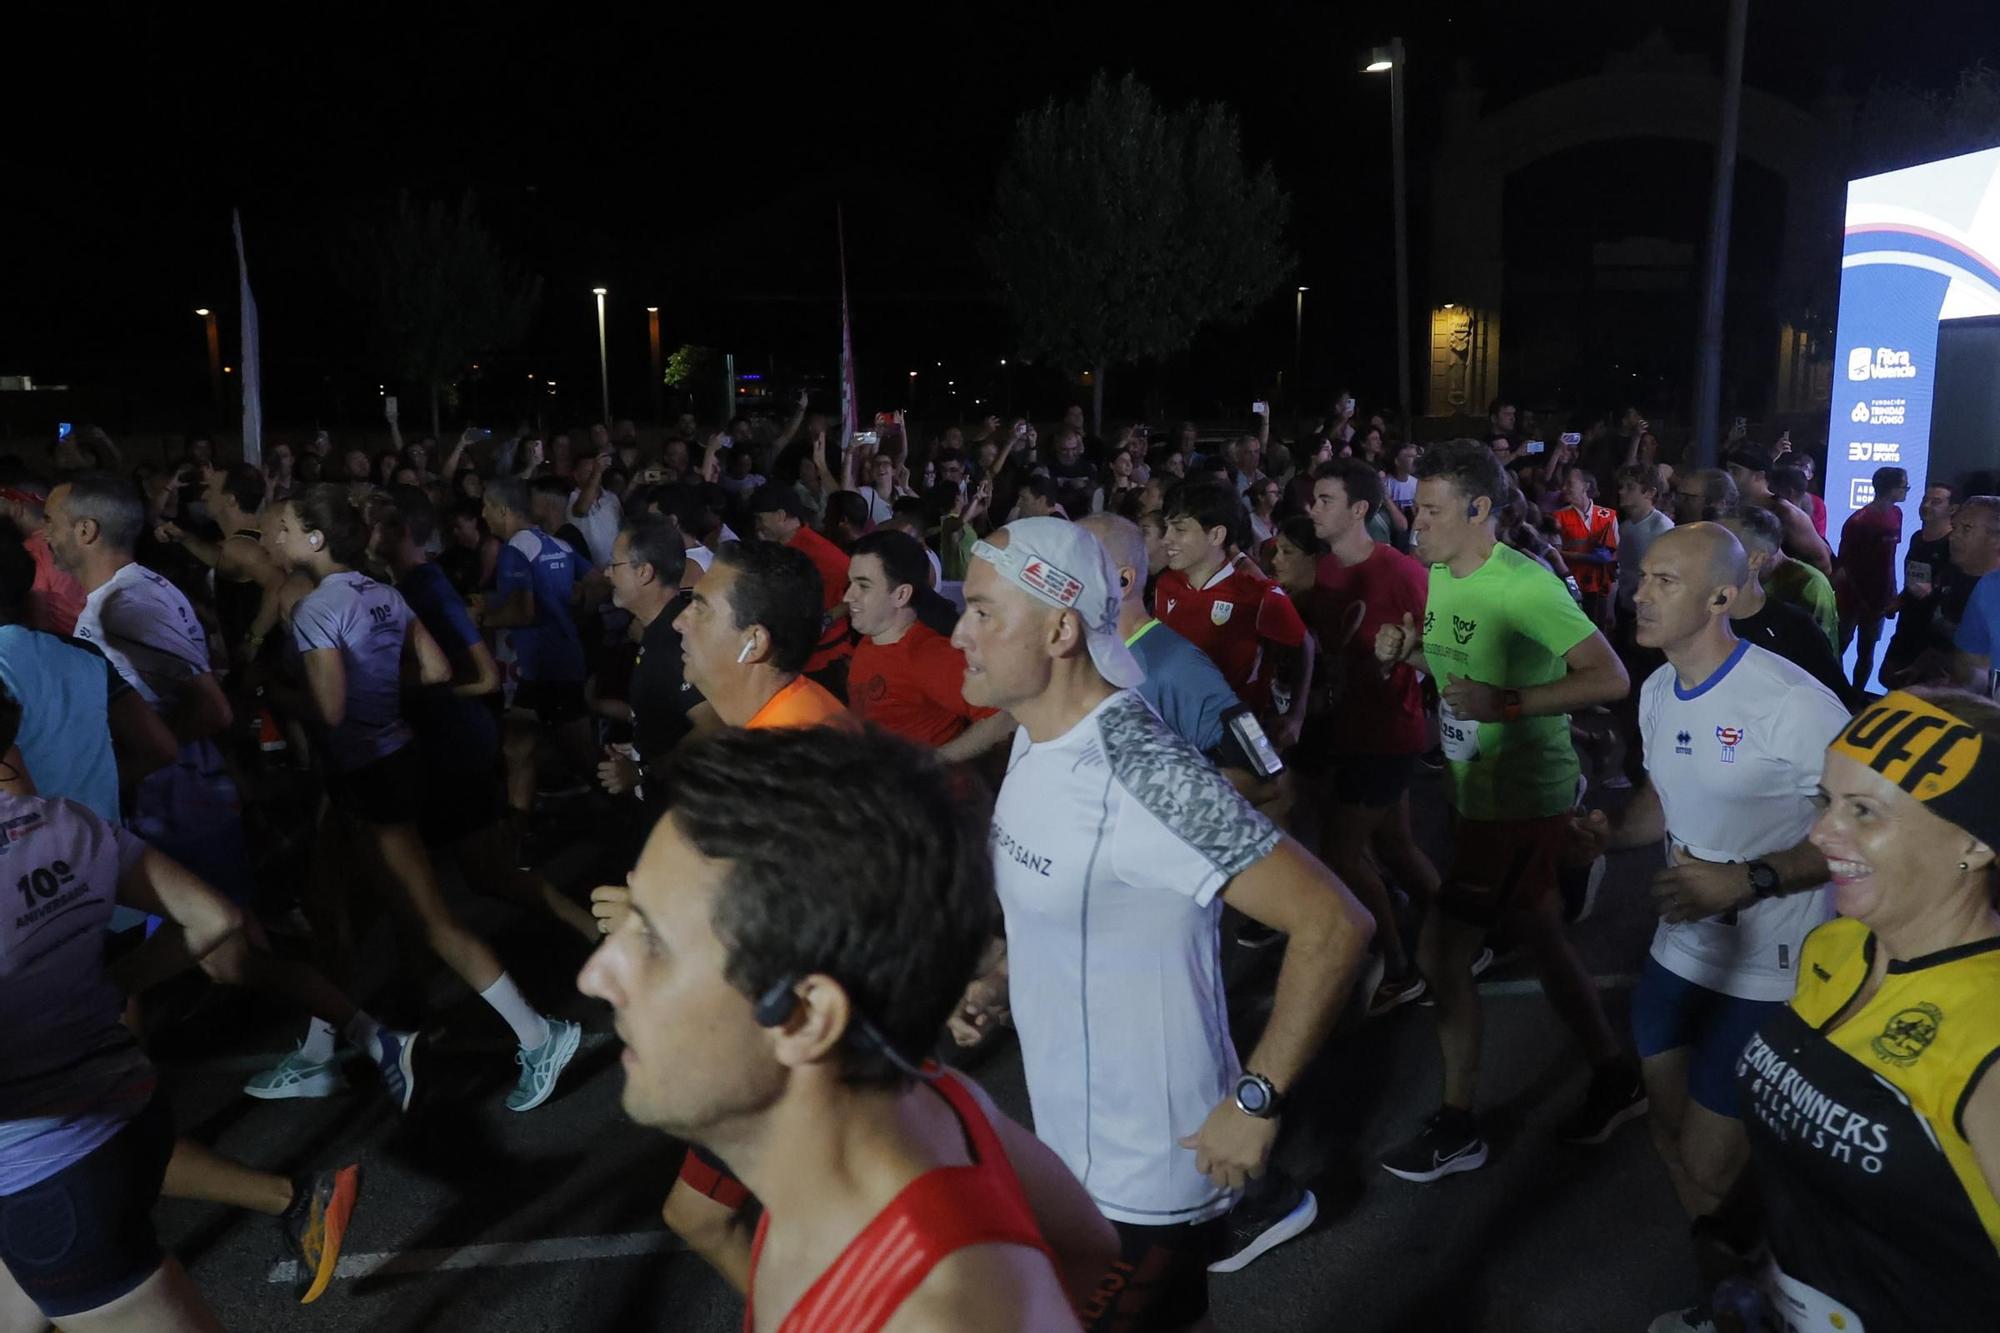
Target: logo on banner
x=1879, y=412
x=1880, y=363
x=1860, y=490
x=1874, y=451
x=1730, y=737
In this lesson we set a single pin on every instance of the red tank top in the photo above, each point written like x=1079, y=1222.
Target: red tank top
x=941, y=1211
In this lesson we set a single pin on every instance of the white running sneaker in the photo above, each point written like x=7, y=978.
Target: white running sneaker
x=298, y=1076
x=541, y=1067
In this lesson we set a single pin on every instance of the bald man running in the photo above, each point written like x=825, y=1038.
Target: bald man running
x=1734, y=737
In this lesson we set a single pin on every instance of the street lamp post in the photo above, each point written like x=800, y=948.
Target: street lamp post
x=603, y=361
x=653, y=342
x=1389, y=60
x=1298, y=343
x=214, y=355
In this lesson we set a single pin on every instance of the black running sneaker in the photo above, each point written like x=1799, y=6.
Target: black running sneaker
x=1448, y=1143
x=1259, y=1225
x=1616, y=1095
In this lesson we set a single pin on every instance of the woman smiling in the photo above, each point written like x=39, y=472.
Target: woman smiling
x=1874, y=1103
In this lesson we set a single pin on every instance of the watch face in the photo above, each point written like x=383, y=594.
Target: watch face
x=1251, y=1096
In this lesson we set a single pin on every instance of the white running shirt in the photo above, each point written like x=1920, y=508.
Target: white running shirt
x=1736, y=761
x=366, y=622
x=1110, y=846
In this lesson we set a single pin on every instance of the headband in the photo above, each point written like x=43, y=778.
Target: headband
x=1936, y=757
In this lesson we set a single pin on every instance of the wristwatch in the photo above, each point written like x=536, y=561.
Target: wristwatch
x=1510, y=705
x=1257, y=1096
x=1763, y=879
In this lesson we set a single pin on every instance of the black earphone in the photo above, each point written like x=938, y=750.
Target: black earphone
x=775, y=1006
x=1472, y=509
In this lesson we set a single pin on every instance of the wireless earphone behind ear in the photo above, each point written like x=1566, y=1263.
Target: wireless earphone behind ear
x=775, y=1005
x=749, y=647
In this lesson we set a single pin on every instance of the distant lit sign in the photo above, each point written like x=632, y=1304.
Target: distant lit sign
x=1921, y=246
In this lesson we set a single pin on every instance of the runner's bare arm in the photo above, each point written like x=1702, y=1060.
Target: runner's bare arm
x=978, y=738
x=1327, y=934
x=203, y=710
x=140, y=738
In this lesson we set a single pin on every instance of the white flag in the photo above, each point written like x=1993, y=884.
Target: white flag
x=850, y=410
x=253, y=379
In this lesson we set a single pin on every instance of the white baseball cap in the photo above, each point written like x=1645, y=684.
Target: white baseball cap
x=1056, y=562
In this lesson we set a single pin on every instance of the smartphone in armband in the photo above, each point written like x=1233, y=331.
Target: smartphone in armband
x=1249, y=736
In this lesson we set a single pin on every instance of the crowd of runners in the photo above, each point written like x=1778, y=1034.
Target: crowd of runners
x=887, y=750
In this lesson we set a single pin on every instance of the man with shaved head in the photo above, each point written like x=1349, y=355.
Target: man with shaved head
x=1114, y=848
x=1734, y=736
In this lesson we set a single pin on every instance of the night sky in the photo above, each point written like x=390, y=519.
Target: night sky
x=694, y=163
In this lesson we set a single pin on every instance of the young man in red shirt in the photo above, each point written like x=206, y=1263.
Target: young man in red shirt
x=1589, y=534
x=1375, y=726
x=803, y=922
x=905, y=677
x=780, y=517
x=1242, y=620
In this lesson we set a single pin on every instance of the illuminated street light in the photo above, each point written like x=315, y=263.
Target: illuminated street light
x=1390, y=60
x=603, y=360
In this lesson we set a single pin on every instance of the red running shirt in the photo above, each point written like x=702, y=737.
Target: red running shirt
x=940, y=1212
x=1370, y=714
x=1230, y=620
x=914, y=687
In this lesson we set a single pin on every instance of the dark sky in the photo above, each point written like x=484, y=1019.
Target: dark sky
x=693, y=163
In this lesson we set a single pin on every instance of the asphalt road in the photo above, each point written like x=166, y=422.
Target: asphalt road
x=472, y=1217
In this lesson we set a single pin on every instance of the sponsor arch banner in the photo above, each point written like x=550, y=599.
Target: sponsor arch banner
x=1921, y=247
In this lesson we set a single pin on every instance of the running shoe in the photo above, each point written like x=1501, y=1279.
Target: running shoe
x=398, y=1066
x=1448, y=1143
x=1396, y=992
x=298, y=1076
x=541, y=1067
x=1694, y=1319
x=1261, y=1225
x=1616, y=1095
x=1257, y=935
x=1579, y=886
x=1433, y=758
x=316, y=1224
x=1482, y=960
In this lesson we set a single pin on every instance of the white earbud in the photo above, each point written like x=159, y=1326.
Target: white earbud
x=749, y=646
x=314, y=540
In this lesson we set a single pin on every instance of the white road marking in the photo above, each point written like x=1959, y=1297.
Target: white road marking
x=505, y=1254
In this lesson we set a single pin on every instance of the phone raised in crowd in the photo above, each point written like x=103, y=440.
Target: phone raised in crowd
x=1533, y=447
x=867, y=437
x=63, y=428
x=1572, y=438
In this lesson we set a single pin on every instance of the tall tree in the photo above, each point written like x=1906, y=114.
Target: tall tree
x=439, y=289
x=1121, y=227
